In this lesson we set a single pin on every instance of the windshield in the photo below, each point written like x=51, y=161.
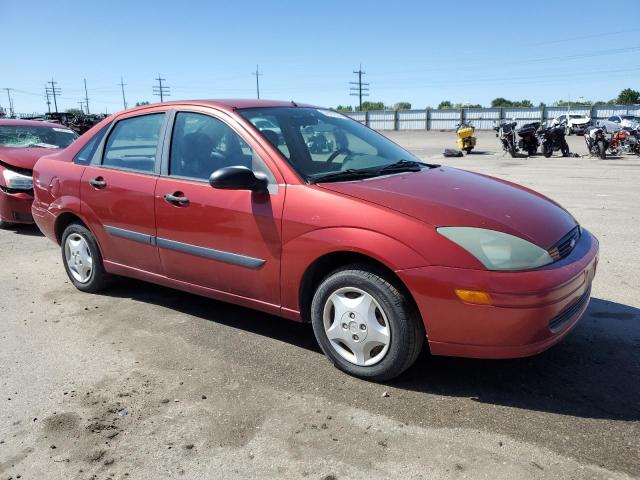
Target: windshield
x=576, y=116
x=21, y=136
x=320, y=142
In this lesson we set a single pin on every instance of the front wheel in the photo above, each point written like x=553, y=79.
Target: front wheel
x=365, y=325
x=82, y=260
x=468, y=150
x=602, y=151
x=547, y=149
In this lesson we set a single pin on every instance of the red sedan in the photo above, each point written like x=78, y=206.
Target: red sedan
x=301, y=212
x=22, y=143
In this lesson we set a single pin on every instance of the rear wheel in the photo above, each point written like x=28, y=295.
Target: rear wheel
x=602, y=151
x=547, y=149
x=82, y=259
x=365, y=325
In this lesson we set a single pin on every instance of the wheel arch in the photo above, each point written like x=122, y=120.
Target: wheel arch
x=324, y=265
x=65, y=219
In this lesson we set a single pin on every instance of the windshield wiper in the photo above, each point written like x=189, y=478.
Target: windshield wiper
x=349, y=174
x=397, y=167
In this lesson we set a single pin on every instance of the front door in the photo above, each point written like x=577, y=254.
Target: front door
x=226, y=240
x=117, y=192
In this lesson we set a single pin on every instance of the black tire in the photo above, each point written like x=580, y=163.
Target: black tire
x=407, y=332
x=532, y=151
x=468, y=150
x=99, y=279
x=512, y=151
x=602, y=151
x=547, y=150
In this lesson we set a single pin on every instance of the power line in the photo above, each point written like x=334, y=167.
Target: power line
x=258, y=75
x=362, y=89
x=86, y=95
x=161, y=90
x=55, y=91
x=124, y=100
x=11, y=111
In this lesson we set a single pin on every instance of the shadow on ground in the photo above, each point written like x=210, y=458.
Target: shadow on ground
x=593, y=373
x=24, y=229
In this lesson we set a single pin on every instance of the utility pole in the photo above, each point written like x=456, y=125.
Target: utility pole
x=258, y=75
x=362, y=89
x=46, y=92
x=11, y=112
x=86, y=96
x=124, y=100
x=53, y=90
x=161, y=90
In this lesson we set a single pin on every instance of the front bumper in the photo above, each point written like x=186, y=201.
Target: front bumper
x=531, y=310
x=15, y=207
x=580, y=129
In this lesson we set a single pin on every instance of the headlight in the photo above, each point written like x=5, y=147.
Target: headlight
x=497, y=250
x=17, y=181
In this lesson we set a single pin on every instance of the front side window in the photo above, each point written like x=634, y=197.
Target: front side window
x=201, y=144
x=23, y=136
x=133, y=143
x=318, y=142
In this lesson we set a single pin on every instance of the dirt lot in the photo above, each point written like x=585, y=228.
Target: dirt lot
x=143, y=382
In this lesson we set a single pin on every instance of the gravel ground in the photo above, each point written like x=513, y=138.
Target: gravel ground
x=144, y=382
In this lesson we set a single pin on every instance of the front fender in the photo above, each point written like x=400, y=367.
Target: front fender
x=301, y=252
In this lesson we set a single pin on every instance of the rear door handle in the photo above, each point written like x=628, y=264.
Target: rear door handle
x=176, y=198
x=98, y=182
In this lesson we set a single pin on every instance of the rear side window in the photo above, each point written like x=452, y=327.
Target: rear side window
x=133, y=143
x=84, y=156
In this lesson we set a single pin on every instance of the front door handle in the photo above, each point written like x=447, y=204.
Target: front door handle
x=176, y=198
x=98, y=182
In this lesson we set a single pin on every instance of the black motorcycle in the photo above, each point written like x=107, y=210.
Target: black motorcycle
x=506, y=132
x=597, y=142
x=528, y=139
x=553, y=139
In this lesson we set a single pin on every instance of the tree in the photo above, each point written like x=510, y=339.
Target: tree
x=628, y=97
x=402, y=106
x=74, y=111
x=503, y=102
x=344, y=108
x=366, y=106
x=445, y=104
x=467, y=105
x=139, y=104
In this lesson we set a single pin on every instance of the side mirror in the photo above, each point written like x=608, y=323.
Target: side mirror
x=238, y=178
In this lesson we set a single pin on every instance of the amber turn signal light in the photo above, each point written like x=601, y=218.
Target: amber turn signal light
x=474, y=296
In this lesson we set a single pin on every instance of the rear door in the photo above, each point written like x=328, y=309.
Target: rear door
x=117, y=191
x=226, y=240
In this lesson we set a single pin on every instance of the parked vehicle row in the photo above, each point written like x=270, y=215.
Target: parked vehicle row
x=532, y=136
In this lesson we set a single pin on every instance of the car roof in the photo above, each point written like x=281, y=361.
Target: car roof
x=227, y=104
x=15, y=122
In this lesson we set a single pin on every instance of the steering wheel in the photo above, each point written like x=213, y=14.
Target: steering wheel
x=333, y=156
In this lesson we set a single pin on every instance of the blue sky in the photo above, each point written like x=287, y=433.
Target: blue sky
x=416, y=51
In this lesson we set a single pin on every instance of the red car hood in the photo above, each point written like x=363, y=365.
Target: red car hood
x=24, y=157
x=446, y=196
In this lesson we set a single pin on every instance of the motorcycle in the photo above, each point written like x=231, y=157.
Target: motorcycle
x=528, y=139
x=553, y=139
x=466, y=141
x=506, y=133
x=626, y=140
x=597, y=142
